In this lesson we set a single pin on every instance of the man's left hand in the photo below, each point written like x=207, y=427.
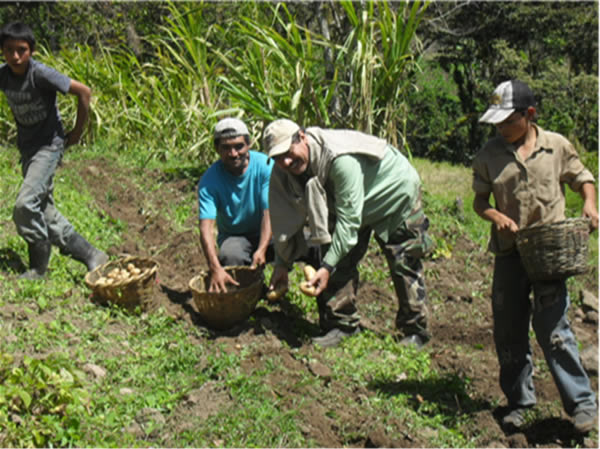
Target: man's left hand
x=320, y=280
x=590, y=211
x=259, y=259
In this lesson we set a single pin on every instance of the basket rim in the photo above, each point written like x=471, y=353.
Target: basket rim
x=122, y=260
x=204, y=273
x=572, y=220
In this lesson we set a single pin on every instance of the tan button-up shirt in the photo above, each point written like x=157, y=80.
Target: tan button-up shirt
x=531, y=191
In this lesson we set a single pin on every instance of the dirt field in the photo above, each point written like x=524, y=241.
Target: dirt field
x=461, y=322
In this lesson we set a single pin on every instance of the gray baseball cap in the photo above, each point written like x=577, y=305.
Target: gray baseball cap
x=230, y=127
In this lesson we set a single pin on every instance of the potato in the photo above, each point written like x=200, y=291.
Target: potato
x=277, y=293
x=130, y=267
x=110, y=281
x=114, y=273
x=309, y=272
x=101, y=281
x=135, y=271
x=308, y=289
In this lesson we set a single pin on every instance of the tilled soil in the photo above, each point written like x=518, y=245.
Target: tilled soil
x=460, y=322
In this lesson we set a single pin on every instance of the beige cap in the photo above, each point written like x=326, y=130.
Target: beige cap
x=277, y=137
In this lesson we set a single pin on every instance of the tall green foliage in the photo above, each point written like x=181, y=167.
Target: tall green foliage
x=281, y=71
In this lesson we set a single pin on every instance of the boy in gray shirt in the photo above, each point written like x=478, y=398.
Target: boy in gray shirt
x=30, y=88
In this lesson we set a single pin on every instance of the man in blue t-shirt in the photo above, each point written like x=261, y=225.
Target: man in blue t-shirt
x=234, y=193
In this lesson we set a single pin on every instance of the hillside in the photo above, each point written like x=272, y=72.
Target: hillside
x=162, y=378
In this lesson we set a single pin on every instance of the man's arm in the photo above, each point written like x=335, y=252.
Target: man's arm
x=590, y=210
x=483, y=208
x=84, y=95
x=259, y=258
x=346, y=177
x=219, y=277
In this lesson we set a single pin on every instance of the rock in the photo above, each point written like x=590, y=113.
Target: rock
x=589, y=301
x=95, y=370
x=320, y=370
x=518, y=440
x=589, y=359
x=94, y=170
x=591, y=317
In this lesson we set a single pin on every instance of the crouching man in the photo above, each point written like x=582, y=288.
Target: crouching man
x=234, y=193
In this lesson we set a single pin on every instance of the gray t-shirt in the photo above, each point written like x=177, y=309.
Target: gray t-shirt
x=32, y=99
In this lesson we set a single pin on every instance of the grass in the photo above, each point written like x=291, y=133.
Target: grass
x=153, y=364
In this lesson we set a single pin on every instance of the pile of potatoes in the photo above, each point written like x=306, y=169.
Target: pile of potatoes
x=117, y=275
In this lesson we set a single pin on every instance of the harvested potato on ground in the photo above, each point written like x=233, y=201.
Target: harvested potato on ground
x=277, y=293
x=130, y=267
x=114, y=273
x=309, y=272
x=135, y=271
x=308, y=289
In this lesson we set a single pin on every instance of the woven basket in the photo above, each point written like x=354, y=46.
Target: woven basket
x=556, y=250
x=223, y=310
x=136, y=290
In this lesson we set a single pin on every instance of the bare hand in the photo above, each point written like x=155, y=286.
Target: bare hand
x=219, y=280
x=590, y=211
x=320, y=280
x=259, y=259
x=279, y=279
x=71, y=139
x=506, y=224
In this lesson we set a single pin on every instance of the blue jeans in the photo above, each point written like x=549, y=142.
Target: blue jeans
x=34, y=214
x=512, y=310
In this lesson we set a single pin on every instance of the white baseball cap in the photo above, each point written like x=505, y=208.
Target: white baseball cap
x=508, y=97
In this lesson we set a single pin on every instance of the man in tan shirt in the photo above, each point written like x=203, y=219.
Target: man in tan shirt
x=526, y=168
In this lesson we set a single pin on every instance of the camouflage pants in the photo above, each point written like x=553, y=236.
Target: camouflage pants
x=405, y=248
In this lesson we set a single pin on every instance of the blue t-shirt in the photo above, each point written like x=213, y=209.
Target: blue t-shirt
x=32, y=99
x=236, y=202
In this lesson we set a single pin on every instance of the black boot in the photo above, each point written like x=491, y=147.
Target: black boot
x=83, y=251
x=39, y=256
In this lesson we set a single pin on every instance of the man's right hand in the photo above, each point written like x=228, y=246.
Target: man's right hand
x=279, y=279
x=505, y=223
x=219, y=278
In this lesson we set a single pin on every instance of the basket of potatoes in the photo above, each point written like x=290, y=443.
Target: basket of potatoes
x=128, y=281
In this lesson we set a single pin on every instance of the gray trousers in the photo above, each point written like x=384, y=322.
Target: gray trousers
x=35, y=215
x=512, y=311
x=237, y=250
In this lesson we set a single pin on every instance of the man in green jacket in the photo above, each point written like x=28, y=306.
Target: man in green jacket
x=343, y=186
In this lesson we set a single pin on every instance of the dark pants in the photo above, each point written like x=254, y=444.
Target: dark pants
x=405, y=248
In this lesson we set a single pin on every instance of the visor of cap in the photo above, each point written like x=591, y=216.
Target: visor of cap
x=495, y=115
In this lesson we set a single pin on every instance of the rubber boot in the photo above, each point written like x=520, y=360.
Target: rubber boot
x=39, y=256
x=83, y=251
